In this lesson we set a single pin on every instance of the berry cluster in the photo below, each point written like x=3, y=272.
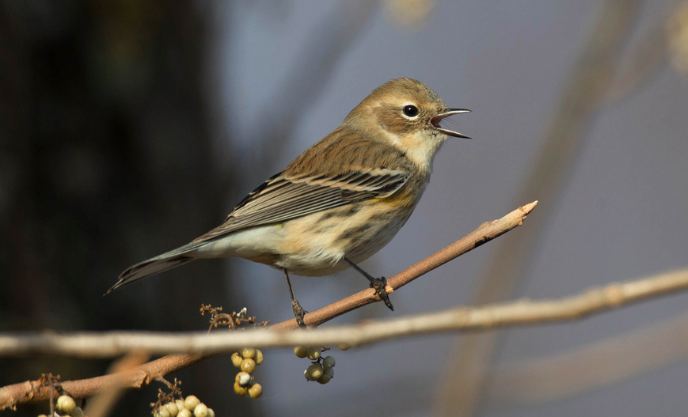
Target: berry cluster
x=187, y=407
x=247, y=360
x=66, y=406
x=321, y=369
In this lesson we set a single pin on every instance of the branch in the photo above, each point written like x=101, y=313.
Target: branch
x=12, y=395
x=607, y=361
x=518, y=313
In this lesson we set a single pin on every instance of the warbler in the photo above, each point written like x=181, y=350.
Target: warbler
x=340, y=201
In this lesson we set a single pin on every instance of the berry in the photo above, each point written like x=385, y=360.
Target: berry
x=239, y=389
x=326, y=376
x=191, y=402
x=313, y=372
x=180, y=405
x=243, y=378
x=248, y=353
x=300, y=351
x=329, y=362
x=248, y=365
x=171, y=408
x=65, y=404
x=314, y=354
x=236, y=359
x=255, y=391
x=201, y=410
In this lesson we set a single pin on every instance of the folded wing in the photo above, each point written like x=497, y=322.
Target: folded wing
x=284, y=197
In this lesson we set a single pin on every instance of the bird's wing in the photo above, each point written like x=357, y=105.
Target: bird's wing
x=285, y=197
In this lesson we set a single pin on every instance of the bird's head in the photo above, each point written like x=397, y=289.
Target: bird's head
x=406, y=114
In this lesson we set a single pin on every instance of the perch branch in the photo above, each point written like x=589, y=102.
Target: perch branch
x=11, y=395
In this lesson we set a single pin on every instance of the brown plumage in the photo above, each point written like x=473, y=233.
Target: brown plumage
x=341, y=200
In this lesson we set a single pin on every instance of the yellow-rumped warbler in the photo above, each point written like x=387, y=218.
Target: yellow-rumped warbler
x=340, y=201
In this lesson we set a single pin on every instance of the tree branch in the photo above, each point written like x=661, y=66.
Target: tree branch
x=11, y=395
x=518, y=313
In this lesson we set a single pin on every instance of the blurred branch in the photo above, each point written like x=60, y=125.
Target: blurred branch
x=518, y=313
x=605, y=362
x=644, y=62
x=586, y=88
x=104, y=402
x=329, y=40
x=15, y=394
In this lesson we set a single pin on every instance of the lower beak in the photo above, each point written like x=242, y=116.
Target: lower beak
x=435, y=122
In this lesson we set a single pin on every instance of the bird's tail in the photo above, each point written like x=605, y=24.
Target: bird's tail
x=156, y=265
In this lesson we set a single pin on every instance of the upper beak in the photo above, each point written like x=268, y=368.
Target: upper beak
x=435, y=122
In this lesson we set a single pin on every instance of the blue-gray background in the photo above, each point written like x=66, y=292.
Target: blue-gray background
x=277, y=76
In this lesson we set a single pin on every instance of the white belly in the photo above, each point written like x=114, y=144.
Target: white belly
x=313, y=245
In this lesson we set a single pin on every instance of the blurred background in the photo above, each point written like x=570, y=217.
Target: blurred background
x=128, y=128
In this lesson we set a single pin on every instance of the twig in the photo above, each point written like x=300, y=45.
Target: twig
x=518, y=313
x=11, y=395
x=102, y=404
x=645, y=61
x=605, y=361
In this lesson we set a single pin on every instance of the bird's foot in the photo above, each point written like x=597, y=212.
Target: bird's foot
x=380, y=285
x=299, y=313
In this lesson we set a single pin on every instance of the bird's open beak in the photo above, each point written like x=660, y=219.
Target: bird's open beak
x=435, y=122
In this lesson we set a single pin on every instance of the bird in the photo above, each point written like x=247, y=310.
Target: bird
x=337, y=203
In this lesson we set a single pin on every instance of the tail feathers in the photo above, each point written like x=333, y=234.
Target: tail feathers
x=160, y=263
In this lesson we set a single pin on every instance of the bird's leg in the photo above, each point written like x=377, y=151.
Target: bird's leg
x=299, y=312
x=378, y=284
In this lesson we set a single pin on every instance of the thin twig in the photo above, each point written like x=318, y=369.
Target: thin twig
x=606, y=362
x=518, y=313
x=12, y=395
x=101, y=404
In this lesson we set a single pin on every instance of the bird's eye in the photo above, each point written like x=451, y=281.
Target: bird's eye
x=410, y=110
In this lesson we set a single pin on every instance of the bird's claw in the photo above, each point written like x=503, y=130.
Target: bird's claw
x=299, y=313
x=380, y=285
